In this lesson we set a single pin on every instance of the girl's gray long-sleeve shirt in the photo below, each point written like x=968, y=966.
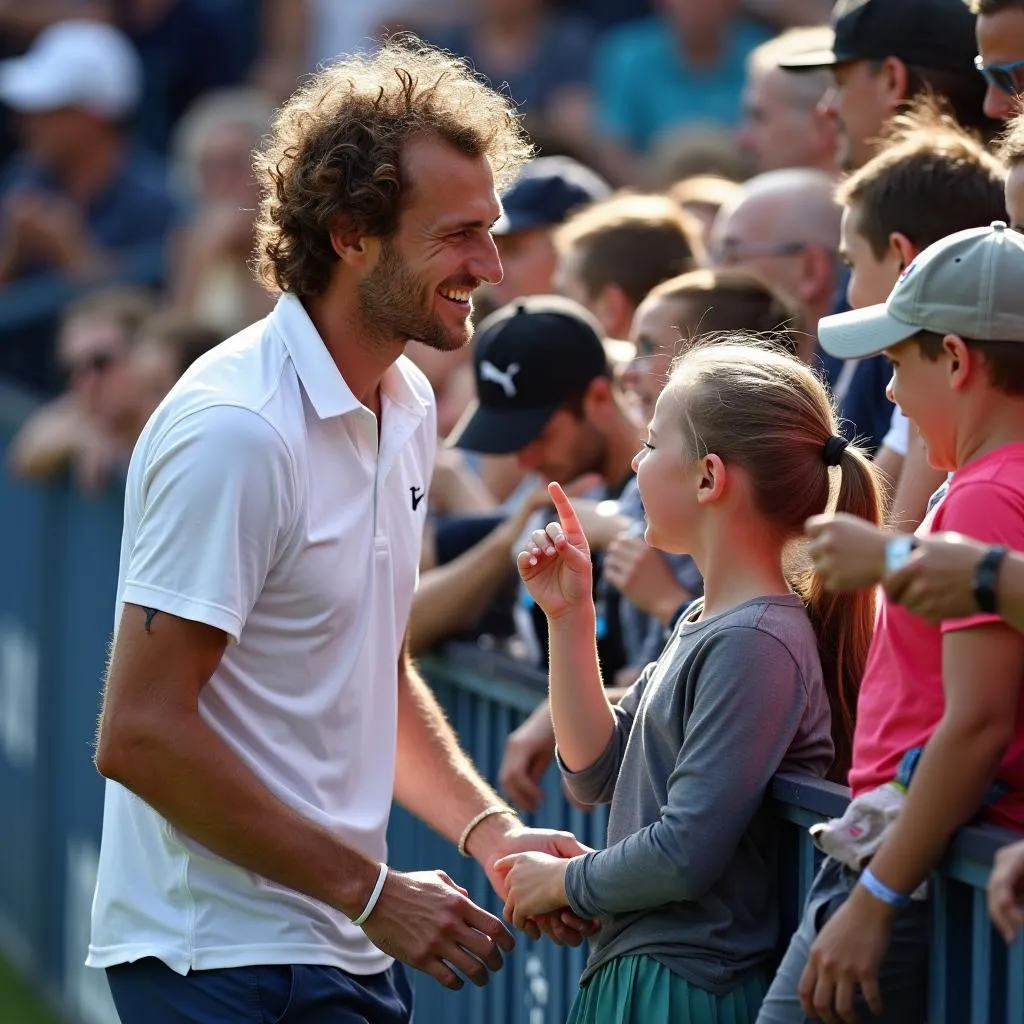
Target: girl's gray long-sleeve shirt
x=690, y=870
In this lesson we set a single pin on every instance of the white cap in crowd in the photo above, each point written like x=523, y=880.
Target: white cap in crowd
x=78, y=63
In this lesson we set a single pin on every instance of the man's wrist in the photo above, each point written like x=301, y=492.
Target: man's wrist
x=488, y=834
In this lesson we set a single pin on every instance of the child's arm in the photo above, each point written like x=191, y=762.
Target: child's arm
x=557, y=571
x=748, y=705
x=982, y=669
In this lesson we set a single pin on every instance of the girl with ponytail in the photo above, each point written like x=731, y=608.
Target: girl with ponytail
x=758, y=676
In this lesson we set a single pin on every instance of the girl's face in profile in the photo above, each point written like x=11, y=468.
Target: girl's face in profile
x=667, y=477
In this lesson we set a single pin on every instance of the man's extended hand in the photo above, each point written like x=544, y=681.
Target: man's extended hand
x=497, y=837
x=427, y=921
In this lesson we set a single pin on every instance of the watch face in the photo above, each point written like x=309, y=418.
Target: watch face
x=897, y=553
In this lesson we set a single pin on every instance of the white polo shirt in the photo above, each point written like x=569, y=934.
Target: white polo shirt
x=259, y=502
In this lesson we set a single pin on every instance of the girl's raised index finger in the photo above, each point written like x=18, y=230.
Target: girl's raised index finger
x=566, y=513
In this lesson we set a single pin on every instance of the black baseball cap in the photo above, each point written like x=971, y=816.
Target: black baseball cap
x=546, y=192
x=936, y=34
x=530, y=357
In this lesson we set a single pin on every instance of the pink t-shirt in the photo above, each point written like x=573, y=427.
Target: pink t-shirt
x=901, y=698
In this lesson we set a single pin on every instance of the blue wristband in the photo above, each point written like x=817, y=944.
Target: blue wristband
x=881, y=891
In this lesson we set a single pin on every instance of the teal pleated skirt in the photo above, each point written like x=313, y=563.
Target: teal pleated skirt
x=639, y=990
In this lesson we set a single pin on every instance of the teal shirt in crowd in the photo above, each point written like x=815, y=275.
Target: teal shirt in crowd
x=643, y=86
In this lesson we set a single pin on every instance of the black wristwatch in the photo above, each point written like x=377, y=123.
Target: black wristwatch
x=986, y=574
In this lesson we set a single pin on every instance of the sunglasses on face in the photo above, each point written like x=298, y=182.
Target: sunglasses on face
x=1001, y=76
x=97, y=363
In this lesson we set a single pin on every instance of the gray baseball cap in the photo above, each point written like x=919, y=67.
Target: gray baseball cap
x=970, y=283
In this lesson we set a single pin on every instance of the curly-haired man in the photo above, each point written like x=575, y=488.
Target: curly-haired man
x=261, y=712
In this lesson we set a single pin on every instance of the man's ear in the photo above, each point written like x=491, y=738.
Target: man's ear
x=894, y=78
x=347, y=241
x=597, y=399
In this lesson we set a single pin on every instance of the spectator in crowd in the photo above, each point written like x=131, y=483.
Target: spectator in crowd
x=548, y=190
x=213, y=146
x=92, y=428
x=929, y=180
x=739, y=451
x=784, y=226
x=703, y=196
x=885, y=53
x=657, y=586
x=682, y=66
x=953, y=327
x=80, y=201
x=539, y=54
x=784, y=124
x=545, y=392
x=611, y=254
x=1000, y=37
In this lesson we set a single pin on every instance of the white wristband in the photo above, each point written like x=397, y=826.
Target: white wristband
x=374, y=896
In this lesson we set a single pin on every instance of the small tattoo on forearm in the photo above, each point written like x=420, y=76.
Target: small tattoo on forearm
x=150, y=613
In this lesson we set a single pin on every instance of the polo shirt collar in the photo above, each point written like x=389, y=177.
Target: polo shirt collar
x=327, y=389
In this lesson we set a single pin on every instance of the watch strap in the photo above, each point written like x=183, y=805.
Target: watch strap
x=986, y=577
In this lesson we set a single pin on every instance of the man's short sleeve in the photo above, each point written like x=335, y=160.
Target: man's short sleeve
x=988, y=511
x=214, y=505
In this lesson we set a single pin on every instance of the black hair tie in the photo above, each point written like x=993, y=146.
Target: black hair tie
x=834, y=448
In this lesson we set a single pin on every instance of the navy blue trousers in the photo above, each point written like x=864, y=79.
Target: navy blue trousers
x=149, y=992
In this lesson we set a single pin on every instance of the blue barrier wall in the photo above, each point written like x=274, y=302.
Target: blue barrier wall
x=58, y=566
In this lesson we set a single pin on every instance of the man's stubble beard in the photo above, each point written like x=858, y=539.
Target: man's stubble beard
x=395, y=307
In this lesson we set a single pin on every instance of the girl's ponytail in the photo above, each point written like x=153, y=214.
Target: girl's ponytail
x=844, y=622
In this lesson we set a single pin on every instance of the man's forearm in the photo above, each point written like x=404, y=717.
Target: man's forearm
x=583, y=717
x=185, y=771
x=434, y=779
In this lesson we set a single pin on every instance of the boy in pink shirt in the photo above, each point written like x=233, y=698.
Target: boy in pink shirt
x=953, y=328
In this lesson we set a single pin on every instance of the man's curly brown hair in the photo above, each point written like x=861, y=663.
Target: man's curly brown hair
x=336, y=150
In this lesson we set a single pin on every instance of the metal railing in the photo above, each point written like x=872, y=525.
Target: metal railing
x=58, y=564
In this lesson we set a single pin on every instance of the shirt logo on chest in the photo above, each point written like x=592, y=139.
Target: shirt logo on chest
x=417, y=497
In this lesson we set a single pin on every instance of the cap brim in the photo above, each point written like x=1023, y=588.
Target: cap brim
x=859, y=333
x=813, y=60
x=499, y=431
x=513, y=221
x=29, y=87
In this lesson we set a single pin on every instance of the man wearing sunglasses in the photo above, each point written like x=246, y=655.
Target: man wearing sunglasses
x=885, y=53
x=1000, y=35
